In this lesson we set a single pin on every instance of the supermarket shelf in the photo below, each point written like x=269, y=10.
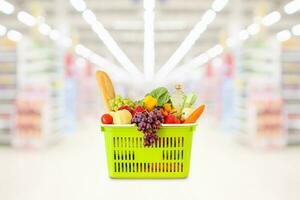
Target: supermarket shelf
x=8, y=86
x=40, y=69
x=291, y=88
x=5, y=138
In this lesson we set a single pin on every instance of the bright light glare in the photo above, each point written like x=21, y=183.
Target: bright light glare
x=243, y=35
x=283, y=35
x=26, y=18
x=44, y=29
x=215, y=51
x=184, y=47
x=54, y=35
x=114, y=48
x=271, y=18
x=89, y=17
x=218, y=5
x=201, y=59
x=209, y=16
x=149, y=49
x=79, y=5
x=253, y=29
x=14, y=35
x=118, y=73
x=2, y=30
x=6, y=8
x=292, y=7
x=149, y=4
x=192, y=65
x=296, y=30
x=109, y=42
x=83, y=51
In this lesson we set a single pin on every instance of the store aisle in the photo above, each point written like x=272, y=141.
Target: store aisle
x=220, y=169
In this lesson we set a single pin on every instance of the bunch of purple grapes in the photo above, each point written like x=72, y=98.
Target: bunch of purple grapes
x=149, y=123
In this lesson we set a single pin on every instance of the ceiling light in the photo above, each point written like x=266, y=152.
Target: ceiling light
x=218, y=5
x=89, y=17
x=83, y=51
x=243, y=35
x=14, y=35
x=26, y=18
x=114, y=48
x=283, y=35
x=118, y=73
x=271, y=18
x=149, y=4
x=79, y=5
x=198, y=61
x=192, y=65
x=2, y=30
x=6, y=8
x=106, y=38
x=209, y=16
x=215, y=51
x=149, y=49
x=44, y=29
x=184, y=47
x=253, y=29
x=54, y=35
x=292, y=7
x=296, y=30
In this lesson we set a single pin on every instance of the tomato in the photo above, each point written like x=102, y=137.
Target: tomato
x=106, y=119
x=171, y=119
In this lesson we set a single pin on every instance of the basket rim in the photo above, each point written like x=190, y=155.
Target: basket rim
x=133, y=125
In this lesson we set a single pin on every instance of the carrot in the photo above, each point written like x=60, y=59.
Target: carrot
x=195, y=115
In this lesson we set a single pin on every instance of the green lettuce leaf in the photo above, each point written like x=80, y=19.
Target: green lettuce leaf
x=161, y=94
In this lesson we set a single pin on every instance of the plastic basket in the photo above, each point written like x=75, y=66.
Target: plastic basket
x=169, y=157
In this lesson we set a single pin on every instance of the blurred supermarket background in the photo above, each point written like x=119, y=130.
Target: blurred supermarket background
x=242, y=58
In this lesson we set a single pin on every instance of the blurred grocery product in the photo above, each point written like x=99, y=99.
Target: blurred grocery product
x=8, y=89
x=258, y=76
x=41, y=97
x=291, y=87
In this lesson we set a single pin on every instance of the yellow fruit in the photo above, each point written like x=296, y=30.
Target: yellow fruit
x=149, y=103
x=167, y=107
x=122, y=117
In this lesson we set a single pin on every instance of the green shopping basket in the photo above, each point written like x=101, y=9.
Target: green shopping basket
x=169, y=157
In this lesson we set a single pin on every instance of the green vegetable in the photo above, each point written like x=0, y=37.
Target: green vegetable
x=189, y=100
x=186, y=112
x=140, y=102
x=161, y=94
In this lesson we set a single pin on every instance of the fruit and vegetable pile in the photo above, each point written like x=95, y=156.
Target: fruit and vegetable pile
x=156, y=108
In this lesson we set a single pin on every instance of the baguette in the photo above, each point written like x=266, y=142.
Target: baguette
x=106, y=88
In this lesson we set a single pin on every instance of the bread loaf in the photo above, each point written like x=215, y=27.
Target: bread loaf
x=106, y=88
